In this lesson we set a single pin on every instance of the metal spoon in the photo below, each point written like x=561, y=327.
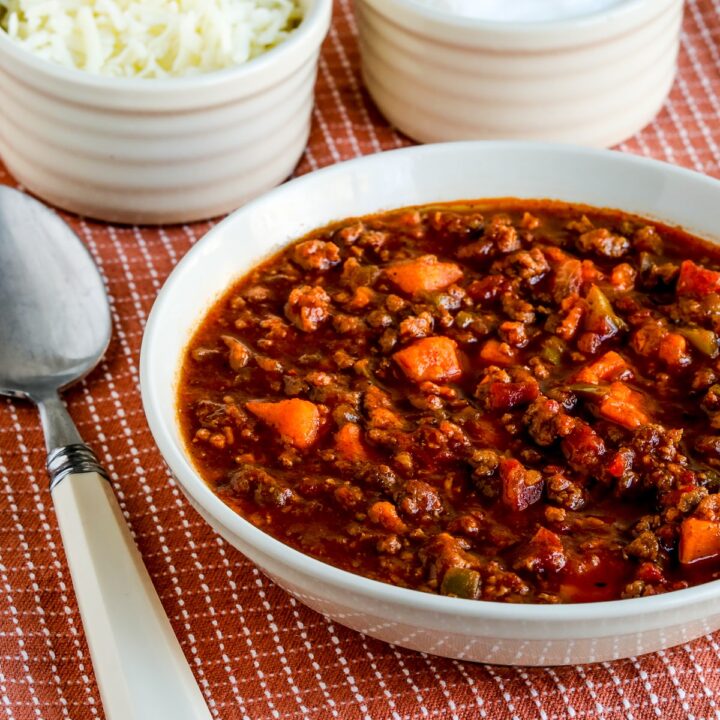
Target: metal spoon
x=54, y=328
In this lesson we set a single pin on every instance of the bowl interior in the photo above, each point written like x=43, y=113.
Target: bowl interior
x=412, y=176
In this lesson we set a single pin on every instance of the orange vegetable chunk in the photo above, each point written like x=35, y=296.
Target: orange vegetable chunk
x=696, y=280
x=348, y=442
x=673, y=350
x=433, y=358
x=622, y=277
x=385, y=514
x=699, y=540
x=495, y=352
x=423, y=274
x=297, y=421
x=608, y=367
x=624, y=406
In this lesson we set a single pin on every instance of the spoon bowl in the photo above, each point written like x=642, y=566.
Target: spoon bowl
x=55, y=325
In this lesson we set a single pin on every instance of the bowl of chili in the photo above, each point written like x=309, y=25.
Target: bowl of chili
x=448, y=398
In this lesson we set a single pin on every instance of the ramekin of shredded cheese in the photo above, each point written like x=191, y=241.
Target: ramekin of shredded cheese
x=149, y=38
x=156, y=111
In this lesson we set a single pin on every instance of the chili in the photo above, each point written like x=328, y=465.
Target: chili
x=503, y=400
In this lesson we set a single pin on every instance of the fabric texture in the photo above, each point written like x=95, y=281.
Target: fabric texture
x=255, y=651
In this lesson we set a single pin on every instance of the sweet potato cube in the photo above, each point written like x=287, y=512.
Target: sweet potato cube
x=432, y=358
x=673, y=350
x=423, y=274
x=520, y=487
x=624, y=406
x=699, y=540
x=610, y=366
x=499, y=353
x=696, y=280
x=297, y=421
x=348, y=442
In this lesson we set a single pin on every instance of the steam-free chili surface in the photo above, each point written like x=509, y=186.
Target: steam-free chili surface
x=509, y=400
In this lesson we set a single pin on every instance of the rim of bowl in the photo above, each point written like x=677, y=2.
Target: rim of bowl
x=311, y=25
x=602, y=16
x=189, y=478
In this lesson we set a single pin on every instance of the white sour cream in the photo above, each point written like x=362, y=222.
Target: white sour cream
x=520, y=10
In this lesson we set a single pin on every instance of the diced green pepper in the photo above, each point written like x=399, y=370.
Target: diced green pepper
x=463, y=319
x=553, y=349
x=602, y=318
x=588, y=389
x=703, y=340
x=462, y=583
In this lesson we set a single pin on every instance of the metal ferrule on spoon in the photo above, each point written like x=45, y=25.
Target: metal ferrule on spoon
x=54, y=329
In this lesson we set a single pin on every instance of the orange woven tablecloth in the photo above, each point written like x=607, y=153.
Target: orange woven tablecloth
x=255, y=651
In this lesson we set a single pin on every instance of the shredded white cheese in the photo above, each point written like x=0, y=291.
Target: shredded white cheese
x=149, y=38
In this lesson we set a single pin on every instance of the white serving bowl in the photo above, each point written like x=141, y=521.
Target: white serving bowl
x=473, y=630
x=593, y=80
x=159, y=150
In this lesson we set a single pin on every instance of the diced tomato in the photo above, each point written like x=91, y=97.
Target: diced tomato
x=620, y=463
x=503, y=396
x=546, y=551
x=487, y=433
x=650, y=573
x=583, y=447
x=487, y=288
x=696, y=280
x=520, y=487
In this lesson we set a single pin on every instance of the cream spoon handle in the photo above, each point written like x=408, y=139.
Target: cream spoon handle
x=140, y=667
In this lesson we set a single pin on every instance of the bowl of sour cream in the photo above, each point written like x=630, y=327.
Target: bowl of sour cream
x=589, y=72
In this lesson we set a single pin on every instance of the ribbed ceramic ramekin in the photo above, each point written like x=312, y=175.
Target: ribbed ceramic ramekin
x=593, y=80
x=159, y=151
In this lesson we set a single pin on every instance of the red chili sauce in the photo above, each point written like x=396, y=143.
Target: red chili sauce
x=503, y=400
